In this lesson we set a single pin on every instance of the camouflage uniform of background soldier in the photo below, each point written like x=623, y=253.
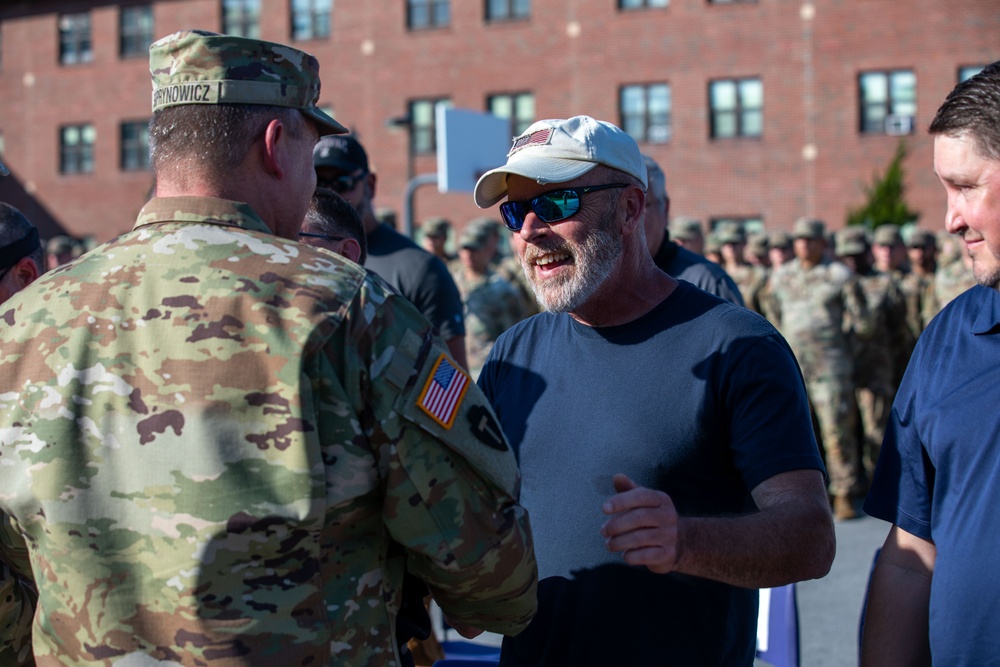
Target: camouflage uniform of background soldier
x=492, y=303
x=954, y=274
x=748, y=278
x=918, y=286
x=506, y=265
x=817, y=305
x=226, y=448
x=875, y=353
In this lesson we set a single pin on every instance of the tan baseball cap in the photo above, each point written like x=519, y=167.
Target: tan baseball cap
x=559, y=150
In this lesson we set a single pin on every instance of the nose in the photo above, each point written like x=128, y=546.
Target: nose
x=533, y=227
x=954, y=223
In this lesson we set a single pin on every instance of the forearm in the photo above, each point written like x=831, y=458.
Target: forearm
x=774, y=547
x=896, y=617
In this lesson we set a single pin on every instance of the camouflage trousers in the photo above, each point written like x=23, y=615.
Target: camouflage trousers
x=874, y=405
x=835, y=410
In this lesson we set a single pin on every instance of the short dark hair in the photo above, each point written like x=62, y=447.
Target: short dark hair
x=218, y=136
x=332, y=214
x=973, y=108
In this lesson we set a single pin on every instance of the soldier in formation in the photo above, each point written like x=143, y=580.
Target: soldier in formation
x=875, y=352
x=492, y=303
x=818, y=305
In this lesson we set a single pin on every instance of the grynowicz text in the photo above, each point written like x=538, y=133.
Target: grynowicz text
x=184, y=92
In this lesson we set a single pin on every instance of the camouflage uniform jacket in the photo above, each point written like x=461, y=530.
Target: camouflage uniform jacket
x=876, y=355
x=951, y=280
x=920, y=301
x=492, y=305
x=510, y=269
x=816, y=310
x=224, y=448
x=751, y=281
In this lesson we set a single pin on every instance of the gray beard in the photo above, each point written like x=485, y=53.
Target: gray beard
x=593, y=263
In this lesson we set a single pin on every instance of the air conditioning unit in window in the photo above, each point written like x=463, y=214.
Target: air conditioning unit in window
x=897, y=125
x=658, y=134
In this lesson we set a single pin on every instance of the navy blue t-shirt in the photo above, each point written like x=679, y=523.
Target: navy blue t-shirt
x=699, y=398
x=681, y=263
x=938, y=475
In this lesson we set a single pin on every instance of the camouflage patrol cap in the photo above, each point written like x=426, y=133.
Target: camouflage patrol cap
x=781, y=240
x=474, y=237
x=200, y=67
x=921, y=238
x=757, y=244
x=808, y=228
x=436, y=226
x=851, y=241
x=712, y=243
x=887, y=235
x=58, y=245
x=685, y=229
x=731, y=232
x=490, y=225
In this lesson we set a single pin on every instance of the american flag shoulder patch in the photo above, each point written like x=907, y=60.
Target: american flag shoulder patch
x=443, y=392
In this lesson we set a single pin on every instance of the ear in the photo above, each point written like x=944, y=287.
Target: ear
x=274, y=149
x=635, y=209
x=371, y=180
x=25, y=272
x=350, y=249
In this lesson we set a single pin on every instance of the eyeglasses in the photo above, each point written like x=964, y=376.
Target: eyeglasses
x=341, y=184
x=551, y=206
x=321, y=236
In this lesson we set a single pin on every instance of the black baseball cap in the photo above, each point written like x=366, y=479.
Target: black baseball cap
x=342, y=152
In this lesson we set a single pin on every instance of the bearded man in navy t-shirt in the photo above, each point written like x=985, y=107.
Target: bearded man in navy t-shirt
x=667, y=455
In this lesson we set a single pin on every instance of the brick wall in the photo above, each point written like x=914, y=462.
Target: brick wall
x=572, y=54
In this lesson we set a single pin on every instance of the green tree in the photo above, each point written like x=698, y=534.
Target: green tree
x=884, y=197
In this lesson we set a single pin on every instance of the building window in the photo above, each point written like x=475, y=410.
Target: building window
x=640, y=4
x=888, y=102
x=135, y=31
x=645, y=112
x=311, y=19
x=135, y=146
x=76, y=149
x=423, y=125
x=737, y=108
x=74, y=39
x=506, y=10
x=519, y=108
x=427, y=14
x=241, y=18
x=966, y=73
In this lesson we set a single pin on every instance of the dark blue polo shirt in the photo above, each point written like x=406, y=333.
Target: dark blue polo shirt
x=938, y=476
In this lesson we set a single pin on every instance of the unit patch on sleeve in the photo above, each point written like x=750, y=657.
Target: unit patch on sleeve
x=442, y=394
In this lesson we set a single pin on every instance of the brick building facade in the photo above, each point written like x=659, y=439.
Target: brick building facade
x=758, y=110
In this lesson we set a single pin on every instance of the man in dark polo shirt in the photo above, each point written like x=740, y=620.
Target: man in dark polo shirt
x=342, y=166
